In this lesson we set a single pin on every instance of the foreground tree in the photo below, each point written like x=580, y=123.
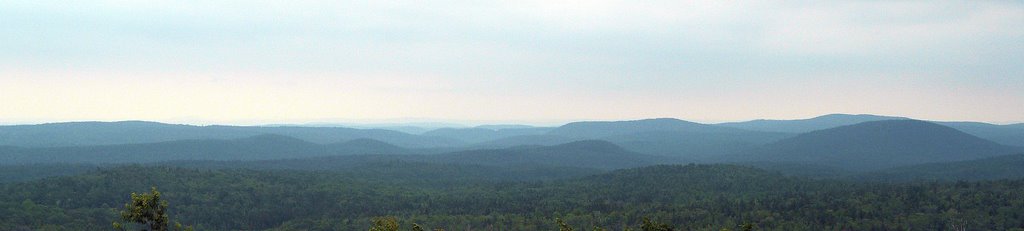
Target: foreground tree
x=562, y=226
x=384, y=224
x=648, y=225
x=392, y=224
x=149, y=211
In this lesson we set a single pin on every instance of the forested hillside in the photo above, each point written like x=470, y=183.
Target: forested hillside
x=878, y=175
x=133, y=132
x=261, y=147
x=993, y=168
x=490, y=115
x=877, y=145
x=698, y=197
x=807, y=125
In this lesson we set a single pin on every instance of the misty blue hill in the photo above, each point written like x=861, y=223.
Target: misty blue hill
x=670, y=137
x=877, y=145
x=28, y=172
x=415, y=128
x=406, y=129
x=993, y=168
x=690, y=146
x=807, y=125
x=102, y=133
x=251, y=148
x=697, y=146
x=588, y=154
x=128, y=132
x=600, y=129
x=481, y=134
x=470, y=135
x=398, y=168
x=507, y=126
x=1004, y=134
x=331, y=135
x=366, y=146
x=594, y=154
x=545, y=140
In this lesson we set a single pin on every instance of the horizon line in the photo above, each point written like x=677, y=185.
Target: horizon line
x=437, y=122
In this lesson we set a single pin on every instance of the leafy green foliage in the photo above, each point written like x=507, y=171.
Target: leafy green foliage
x=146, y=209
x=384, y=224
x=648, y=225
x=19, y=173
x=562, y=226
x=994, y=168
x=690, y=197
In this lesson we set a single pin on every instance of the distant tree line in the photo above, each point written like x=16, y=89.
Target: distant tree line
x=691, y=197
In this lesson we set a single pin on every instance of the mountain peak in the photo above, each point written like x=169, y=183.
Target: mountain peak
x=856, y=117
x=592, y=145
x=600, y=129
x=369, y=143
x=880, y=144
x=266, y=139
x=806, y=125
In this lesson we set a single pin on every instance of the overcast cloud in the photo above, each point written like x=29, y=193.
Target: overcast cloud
x=514, y=61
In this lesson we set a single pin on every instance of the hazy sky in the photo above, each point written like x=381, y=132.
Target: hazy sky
x=251, y=62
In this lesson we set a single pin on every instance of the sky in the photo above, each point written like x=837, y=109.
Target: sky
x=535, y=62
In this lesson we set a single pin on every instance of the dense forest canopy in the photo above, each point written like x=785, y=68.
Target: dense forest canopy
x=490, y=115
x=702, y=197
x=875, y=175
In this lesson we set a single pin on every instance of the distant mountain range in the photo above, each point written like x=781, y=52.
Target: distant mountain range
x=992, y=168
x=877, y=145
x=830, y=145
x=1005, y=134
x=261, y=147
x=486, y=133
x=594, y=154
x=807, y=125
x=663, y=137
x=585, y=154
x=598, y=129
x=129, y=132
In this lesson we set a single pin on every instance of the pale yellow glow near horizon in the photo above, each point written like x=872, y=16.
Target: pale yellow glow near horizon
x=254, y=99
x=534, y=62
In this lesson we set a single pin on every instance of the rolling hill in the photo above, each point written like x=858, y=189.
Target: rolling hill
x=134, y=132
x=484, y=134
x=806, y=125
x=583, y=154
x=600, y=129
x=545, y=140
x=666, y=137
x=259, y=147
x=1003, y=134
x=588, y=154
x=877, y=145
x=992, y=168
x=694, y=146
x=288, y=151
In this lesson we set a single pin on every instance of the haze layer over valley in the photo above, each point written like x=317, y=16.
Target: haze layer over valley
x=511, y=115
